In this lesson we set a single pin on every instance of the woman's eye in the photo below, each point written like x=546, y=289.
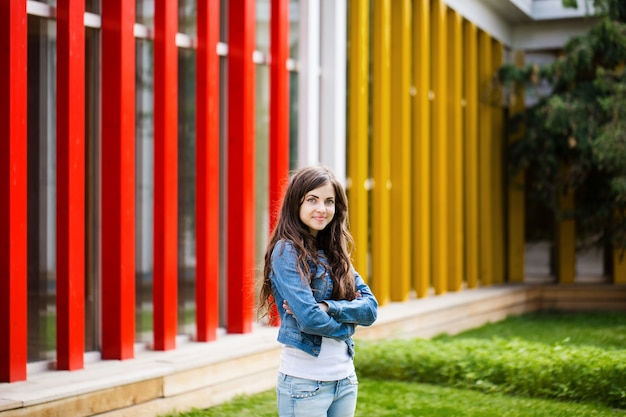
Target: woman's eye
x=330, y=202
x=311, y=200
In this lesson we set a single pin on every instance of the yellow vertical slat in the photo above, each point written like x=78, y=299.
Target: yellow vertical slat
x=358, y=131
x=497, y=50
x=471, y=153
x=456, y=149
x=619, y=266
x=381, y=152
x=439, y=134
x=421, y=149
x=565, y=249
x=516, y=214
x=485, y=161
x=401, y=216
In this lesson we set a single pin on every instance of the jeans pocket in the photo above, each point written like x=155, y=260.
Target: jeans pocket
x=305, y=389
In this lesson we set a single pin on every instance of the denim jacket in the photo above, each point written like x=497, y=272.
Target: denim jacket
x=309, y=323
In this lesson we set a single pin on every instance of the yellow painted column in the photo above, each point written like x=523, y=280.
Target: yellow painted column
x=381, y=152
x=358, y=74
x=422, y=215
x=516, y=212
x=470, y=121
x=485, y=161
x=498, y=141
x=565, y=239
x=456, y=149
x=619, y=266
x=401, y=216
x=439, y=135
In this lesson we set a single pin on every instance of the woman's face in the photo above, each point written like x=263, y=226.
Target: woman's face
x=318, y=208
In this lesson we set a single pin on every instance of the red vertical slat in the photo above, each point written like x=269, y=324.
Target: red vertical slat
x=241, y=152
x=279, y=105
x=70, y=204
x=165, y=174
x=279, y=112
x=118, y=179
x=208, y=171
x=13, y=325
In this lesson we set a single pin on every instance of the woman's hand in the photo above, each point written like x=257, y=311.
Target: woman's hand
x=286, y=307
x=322, y=305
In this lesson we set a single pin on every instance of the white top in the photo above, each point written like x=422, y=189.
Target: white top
x=332, y=364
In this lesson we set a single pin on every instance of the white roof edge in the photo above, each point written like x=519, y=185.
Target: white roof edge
x=549, y=26
x=484, y=18
x=553, y=9
x=525, y=6
x=548, y=34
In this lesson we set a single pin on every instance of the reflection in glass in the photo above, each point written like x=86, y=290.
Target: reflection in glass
x=92, y=187
x=186, y=191
x=41, y=193
x=145, y=12
x=293, y=120
x=187, y=17
x=92, y=6
x=262, y=117
x=294, y=43
x=294, y=27
x=263, y=26
x=144, y=190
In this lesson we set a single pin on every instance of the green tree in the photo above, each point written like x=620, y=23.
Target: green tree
x=574, y=138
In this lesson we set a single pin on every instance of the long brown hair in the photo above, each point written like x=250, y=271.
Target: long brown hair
x=335, y=239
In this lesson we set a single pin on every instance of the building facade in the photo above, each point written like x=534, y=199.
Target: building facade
x=146, y=144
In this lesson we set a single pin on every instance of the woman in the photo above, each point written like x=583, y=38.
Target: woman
x=319, y=296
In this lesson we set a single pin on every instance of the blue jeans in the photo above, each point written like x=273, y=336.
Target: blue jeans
x=298, y=397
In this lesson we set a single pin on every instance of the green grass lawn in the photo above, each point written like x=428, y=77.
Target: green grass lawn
x=380, y=398
x=603, y=330
x=402, y=399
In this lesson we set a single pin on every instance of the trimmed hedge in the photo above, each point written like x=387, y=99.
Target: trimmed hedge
x=582, y=374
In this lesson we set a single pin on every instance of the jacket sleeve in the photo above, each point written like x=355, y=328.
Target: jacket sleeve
x=362, y=311
x=288, y=285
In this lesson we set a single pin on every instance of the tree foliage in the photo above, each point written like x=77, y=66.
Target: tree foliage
x=573, y=139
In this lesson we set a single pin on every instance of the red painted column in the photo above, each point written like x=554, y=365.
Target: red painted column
x=279, y=106
x=70, y=214
x=207, y=171
x=241, y=152
x=279, y=113
x=165, y=288
x=13, y=313
x=118, y=179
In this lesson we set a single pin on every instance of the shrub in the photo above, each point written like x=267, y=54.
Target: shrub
x=558, y=371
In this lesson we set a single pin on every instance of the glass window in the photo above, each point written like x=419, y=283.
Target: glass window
x=263, y=26
x=187, y=17
x=144, y=190
x=92, y=6
x=92, y=188
x=294, y=26
x=223, y=167
x=41, y=174
x=186, y=191
x=145, y=12
x=262, y=161
x=262, y=117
